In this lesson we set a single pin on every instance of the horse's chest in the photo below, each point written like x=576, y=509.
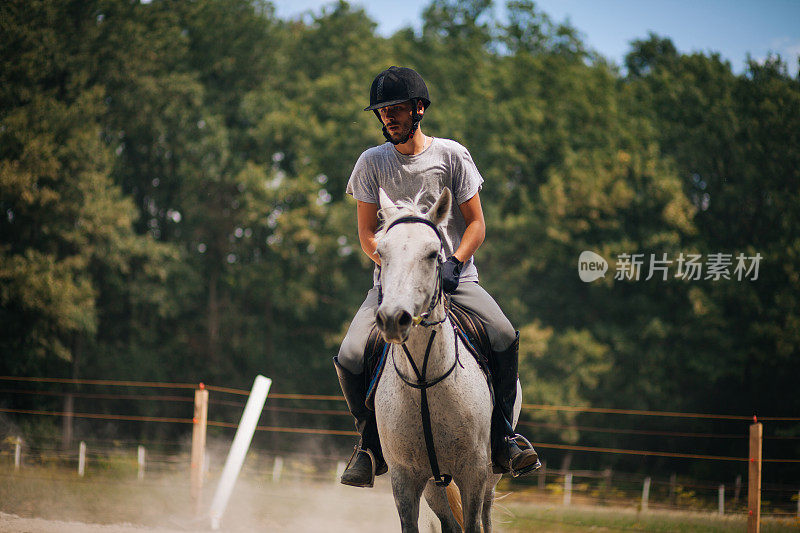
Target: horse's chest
x=459, y=412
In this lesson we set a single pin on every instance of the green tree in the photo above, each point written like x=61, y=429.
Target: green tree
x=733, y=139
x=67, y=230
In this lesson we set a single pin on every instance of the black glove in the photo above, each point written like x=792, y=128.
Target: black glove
x=451, y=271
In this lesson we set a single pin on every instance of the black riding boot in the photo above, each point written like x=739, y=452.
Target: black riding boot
x=511, y=451
x=367, y=459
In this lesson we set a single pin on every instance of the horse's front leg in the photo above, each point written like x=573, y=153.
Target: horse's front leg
x=407, y=487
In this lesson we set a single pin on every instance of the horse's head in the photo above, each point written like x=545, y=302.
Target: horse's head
x=410, y=248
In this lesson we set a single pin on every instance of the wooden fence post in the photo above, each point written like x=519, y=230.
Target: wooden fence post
x=66, y=421
x=140, y=459
x=18, y=453
x=645, y=493
x=721, y=499
x=568, y=488
x=81, y=458
x=754, y=478
x=200, y=421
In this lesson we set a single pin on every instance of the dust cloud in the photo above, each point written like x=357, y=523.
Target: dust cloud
x=49, y=496
x=256, y=505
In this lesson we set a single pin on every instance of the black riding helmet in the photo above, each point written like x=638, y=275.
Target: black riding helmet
x=394, y=86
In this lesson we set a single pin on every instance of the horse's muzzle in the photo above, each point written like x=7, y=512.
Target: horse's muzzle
x=394, y=325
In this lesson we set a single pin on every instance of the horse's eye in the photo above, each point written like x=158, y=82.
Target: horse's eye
x=433, y=255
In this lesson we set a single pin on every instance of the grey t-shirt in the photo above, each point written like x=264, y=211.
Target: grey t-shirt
x=444, y=163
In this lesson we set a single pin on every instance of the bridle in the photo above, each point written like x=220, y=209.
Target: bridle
x=422, y=319
x=421, y=382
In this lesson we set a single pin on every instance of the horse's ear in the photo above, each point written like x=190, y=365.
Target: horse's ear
x=441, y=209
x=386, y=204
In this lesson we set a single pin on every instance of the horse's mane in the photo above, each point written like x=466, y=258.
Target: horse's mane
x=405, y=207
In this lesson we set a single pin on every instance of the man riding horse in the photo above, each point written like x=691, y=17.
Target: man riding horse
x=408, y=164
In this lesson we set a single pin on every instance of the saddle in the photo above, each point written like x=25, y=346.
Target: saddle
x=468, y=327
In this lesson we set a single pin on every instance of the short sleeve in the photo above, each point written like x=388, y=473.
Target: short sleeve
x=467, y=180
x=363, y=184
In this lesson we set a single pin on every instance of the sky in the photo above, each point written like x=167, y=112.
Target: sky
x=733, y=28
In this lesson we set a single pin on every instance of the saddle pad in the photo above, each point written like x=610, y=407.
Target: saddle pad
x=477, y=339
x=468, y=326
x=374, y=360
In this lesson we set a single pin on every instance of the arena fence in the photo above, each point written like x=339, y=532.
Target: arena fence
x=144, y=459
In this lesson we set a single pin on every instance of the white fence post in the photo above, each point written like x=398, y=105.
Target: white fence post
x=542, y=475
x=673, y=488
x=140, y=458
x=568, y=488
x=239, y=447
x=277, y=468
x=721, y=499
x=340, y=467
x=737, y=490
x=645, y=493
x=18, y=453
x=81, y=458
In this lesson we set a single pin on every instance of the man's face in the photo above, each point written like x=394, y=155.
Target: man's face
x=397, y=119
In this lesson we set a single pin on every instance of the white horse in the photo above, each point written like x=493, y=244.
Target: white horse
x=412, y=317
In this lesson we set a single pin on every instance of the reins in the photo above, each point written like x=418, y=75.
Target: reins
x=422, y=383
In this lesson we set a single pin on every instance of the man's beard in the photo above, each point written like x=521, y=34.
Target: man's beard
x=399, y=136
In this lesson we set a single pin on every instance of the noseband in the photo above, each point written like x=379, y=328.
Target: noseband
x=422, y=320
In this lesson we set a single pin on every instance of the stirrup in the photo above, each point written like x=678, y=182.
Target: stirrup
x=353, y=458
x=523, y=444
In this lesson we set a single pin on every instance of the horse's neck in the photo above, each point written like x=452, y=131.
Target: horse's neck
x=442, y=352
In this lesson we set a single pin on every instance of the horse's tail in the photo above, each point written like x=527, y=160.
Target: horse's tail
x=454, y=499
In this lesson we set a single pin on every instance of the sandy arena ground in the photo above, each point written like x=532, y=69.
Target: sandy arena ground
x=268, y=507
x=10, y=523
